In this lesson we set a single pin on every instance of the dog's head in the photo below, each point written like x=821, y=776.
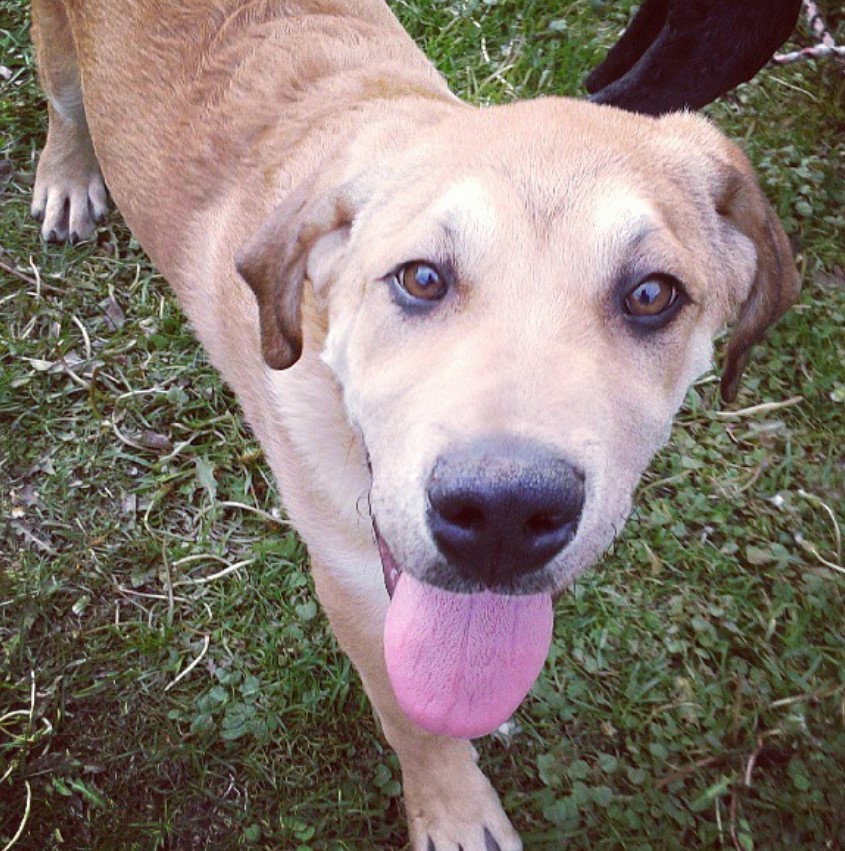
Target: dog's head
x=517, y=301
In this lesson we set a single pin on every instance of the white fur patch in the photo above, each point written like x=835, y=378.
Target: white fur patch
x=466, y=204
x=621, y=214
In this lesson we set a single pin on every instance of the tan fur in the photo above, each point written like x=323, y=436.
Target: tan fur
x=312, y=144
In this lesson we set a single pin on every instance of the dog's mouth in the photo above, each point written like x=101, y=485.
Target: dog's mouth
x=391, y=569
x=460, y=664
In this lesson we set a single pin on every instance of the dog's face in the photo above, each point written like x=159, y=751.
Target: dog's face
x=517, y=302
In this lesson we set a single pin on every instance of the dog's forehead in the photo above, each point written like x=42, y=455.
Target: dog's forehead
x=558, y=198
x=584, y=215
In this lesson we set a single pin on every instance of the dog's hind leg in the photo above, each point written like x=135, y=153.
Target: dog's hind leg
x=449, y=802
x=69, y=195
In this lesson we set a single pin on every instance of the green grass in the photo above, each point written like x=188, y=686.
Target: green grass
x=695, y=694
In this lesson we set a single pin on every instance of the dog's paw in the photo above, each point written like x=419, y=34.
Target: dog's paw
x=456, y=809
x=490, y=843
x=69, y=197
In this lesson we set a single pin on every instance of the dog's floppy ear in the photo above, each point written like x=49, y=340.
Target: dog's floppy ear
x=274, y=260
x=776, y=283
x=741, y=205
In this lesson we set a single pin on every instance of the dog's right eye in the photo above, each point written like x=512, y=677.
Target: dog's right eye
x=421, y=281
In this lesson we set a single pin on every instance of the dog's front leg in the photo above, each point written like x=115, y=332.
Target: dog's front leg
x=69, y=194
x=449, y=802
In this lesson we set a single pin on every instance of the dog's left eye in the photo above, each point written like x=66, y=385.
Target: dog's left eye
x=421, y=281
x=654, y=300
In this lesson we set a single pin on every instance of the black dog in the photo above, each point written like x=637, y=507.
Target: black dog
x=680, y=54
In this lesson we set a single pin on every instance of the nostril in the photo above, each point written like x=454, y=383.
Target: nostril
x=544, y=524
x=468, y=517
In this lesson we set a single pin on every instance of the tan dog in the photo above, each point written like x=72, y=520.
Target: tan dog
x=478, y=322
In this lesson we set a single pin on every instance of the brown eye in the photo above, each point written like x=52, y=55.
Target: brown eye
x=651, y=297
x=422, y=281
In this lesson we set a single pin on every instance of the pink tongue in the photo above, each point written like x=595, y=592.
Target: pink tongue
x=460, y=664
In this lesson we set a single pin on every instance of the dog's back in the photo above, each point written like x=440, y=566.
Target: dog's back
x=204, y=93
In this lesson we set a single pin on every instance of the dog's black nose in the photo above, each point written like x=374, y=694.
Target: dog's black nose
x=500, y=509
